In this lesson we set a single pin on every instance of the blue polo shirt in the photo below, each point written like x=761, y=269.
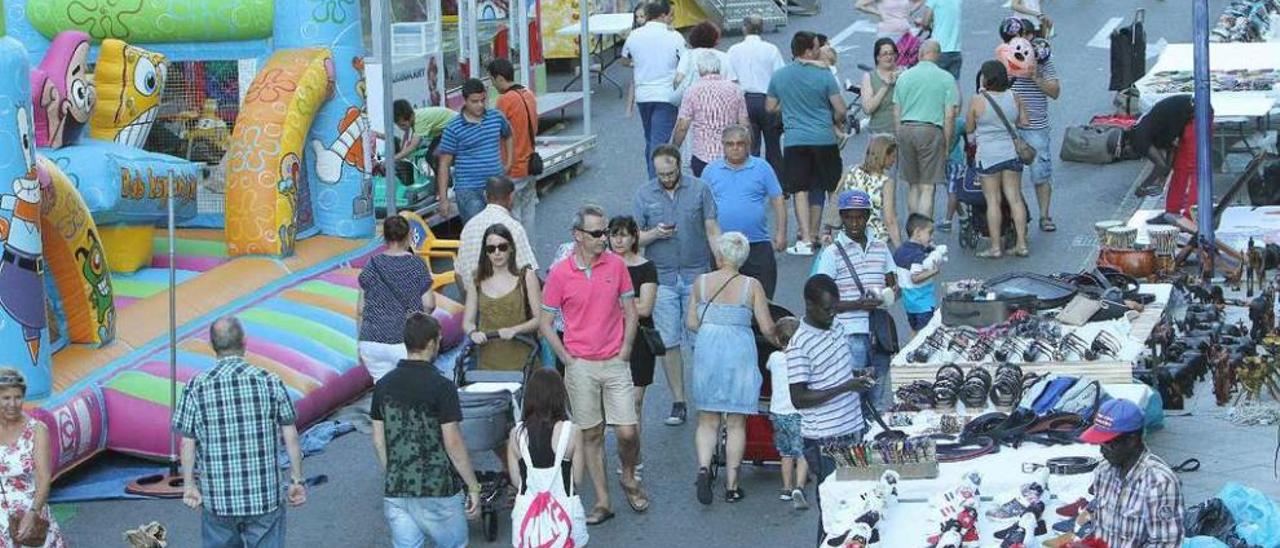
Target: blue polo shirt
x=805, y=92
x=476, y=148
x=742, y=195
x=687, y=254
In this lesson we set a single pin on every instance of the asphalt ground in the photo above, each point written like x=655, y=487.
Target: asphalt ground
x=347, y=510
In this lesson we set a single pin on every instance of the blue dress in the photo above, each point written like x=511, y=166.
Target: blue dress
x=726, y=378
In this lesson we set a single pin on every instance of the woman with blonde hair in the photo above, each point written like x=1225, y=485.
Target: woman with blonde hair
x=25, y=470
x=726, y=377
x=872, y=177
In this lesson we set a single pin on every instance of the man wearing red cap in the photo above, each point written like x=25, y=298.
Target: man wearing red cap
x=1139, y=498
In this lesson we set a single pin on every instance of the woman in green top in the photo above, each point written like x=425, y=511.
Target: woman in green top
x=501, y=299
x=877, y=87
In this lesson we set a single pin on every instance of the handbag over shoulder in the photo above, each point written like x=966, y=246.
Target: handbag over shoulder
x=1026, y=152
x=884, y=331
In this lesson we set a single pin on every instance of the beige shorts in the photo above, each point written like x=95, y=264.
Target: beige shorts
x=601, y=391
x=922, y=154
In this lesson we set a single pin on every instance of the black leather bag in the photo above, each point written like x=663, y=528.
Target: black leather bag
x=962, y=309
x=1128, y=53
x=883, y=330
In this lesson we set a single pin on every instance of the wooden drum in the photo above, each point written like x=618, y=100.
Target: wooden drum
x=1101, y=227
x=1121, y=237
x=1164, y=239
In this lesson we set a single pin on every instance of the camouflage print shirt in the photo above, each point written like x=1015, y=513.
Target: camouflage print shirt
x=413, y=401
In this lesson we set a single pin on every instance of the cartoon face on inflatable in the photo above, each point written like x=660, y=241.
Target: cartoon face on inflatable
x=1018, y=56
x=129, y=81
x=62, y=91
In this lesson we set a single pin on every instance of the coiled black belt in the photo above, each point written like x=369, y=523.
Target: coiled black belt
x=968, y=448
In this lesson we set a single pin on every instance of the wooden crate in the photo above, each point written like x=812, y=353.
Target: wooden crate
x=872, y=472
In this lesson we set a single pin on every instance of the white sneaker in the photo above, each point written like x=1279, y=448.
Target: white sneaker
x=802, y=249
x=784, y=495
x=798, y=501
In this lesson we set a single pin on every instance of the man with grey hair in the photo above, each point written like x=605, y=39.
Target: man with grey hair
x=711, y=104
x=925, y=103
x=499, y=192
x=591, y=290
x=754, y=60
x=746, y=189
x=229, y=417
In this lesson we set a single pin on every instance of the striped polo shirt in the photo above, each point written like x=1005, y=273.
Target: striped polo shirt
x=1033, y=98
x=872, y=264
x=711, y=105
x=821, y=359
x=476, y=148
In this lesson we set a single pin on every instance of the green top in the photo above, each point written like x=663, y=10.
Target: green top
x=430, y=121
x=946, y=23
x=917, y=92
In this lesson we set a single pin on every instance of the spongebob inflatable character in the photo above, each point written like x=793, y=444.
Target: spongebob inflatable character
x=129, y=81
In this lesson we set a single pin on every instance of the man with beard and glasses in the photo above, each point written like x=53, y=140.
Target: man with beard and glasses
x=1138, y=497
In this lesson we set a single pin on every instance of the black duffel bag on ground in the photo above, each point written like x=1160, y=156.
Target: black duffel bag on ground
x=1092, y=144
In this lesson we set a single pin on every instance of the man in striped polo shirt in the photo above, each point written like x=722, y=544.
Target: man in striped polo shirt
x=823, y=386
x=470, y=145
x=1035, y=91
x=855, y=253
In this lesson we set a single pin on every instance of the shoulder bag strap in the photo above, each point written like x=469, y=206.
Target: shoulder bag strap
x=528, y=117
x=524, y=292
x=713, y=297
x=1008, y=127
x=378, y=272
x=853, y=272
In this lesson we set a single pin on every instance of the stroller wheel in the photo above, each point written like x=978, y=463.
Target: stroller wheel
x=490, y=523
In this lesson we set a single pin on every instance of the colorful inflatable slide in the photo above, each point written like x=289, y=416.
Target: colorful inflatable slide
x=84, y=278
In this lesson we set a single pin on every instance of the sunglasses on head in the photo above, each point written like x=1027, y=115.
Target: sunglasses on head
x=597, y=234
x=503, y=247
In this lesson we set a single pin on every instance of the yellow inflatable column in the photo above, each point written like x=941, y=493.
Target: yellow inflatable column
x=74, y=254
x=264, y=166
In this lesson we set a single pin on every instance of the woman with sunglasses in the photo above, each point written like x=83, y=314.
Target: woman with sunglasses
x=502, y=300
x=24, y=469
x=877, y=87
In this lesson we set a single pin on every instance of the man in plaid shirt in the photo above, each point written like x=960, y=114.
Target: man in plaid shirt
x=1139, y=498
x=229, y=416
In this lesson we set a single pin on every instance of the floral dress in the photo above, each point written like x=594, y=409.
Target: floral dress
x=18, y=478
x=873, y=185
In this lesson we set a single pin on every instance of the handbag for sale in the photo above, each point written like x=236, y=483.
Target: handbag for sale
x=38, y=533
x=1026, y=152
x=967, y=309
x=883, y=330
x=1092, y=144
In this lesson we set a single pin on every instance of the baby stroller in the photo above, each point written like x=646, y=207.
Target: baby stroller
x=759, y=448
x=491, y=403
x=972, y=209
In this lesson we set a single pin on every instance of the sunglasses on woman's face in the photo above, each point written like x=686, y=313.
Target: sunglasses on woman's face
x=502, y=247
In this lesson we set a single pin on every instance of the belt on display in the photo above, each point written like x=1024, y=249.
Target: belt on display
x=1063, y=466
x=26, y=263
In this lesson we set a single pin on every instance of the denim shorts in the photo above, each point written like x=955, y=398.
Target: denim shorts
x=1040, y=171
x=1014, y=165
x=669, y=310
x=918, y=320
x=413, y=520
x=786, y=435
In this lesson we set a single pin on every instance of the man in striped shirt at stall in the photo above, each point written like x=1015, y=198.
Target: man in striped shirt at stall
x=472, y=145
x=823, y=386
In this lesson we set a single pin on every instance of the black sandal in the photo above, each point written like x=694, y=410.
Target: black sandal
x=734, y=495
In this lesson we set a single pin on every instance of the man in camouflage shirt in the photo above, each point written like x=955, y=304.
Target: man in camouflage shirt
x=420, y=448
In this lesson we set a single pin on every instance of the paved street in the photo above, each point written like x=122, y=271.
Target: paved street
x=347, y=511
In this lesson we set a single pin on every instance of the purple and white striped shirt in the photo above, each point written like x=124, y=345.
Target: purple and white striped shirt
x=872, y=264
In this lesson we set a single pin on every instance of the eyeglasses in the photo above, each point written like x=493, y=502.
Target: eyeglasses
x=503, y=247
x=888, y=54
x=597, y=234
x=669, y=176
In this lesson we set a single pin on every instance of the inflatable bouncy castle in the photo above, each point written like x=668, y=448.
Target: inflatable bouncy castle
x=247, y=117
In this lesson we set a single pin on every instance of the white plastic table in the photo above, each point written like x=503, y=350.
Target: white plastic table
x=600, y=26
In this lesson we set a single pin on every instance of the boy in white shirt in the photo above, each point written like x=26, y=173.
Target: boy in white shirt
x=786, y=421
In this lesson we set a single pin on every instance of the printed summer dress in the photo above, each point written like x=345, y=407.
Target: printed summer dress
x=726, y=378
x=18, y=476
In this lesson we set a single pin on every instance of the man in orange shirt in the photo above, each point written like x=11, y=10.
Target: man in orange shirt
x=520, y=106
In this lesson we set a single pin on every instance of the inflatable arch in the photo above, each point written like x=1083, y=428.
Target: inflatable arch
x=74, y=253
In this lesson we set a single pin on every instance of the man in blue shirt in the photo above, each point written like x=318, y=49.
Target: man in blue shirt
x=812, y=111
x=741, y=184
x=678, y=229
x=470, y=145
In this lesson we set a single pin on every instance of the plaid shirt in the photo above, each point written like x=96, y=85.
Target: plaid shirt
x=1141, y=509
x=234, y=412
x=711, y=105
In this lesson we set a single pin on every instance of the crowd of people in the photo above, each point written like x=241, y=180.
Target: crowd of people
x=685, y=277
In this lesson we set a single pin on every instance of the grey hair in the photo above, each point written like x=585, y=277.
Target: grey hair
x=708, y=63
x=735, y=129
x=226, y=335
x=752, y=24
x=587, y=210
x=734, y=248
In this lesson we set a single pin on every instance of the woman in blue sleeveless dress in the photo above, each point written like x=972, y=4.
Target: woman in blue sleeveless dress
x=726, y=377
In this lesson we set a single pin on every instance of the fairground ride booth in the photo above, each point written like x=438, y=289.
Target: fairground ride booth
x=180, y=161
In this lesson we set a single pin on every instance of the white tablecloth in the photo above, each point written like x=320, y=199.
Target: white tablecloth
x=604, y=24
x=1223, y=56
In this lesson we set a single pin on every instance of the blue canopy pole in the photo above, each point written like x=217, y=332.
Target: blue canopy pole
x=1204, y=122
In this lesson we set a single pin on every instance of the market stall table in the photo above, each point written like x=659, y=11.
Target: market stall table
x=601, y=25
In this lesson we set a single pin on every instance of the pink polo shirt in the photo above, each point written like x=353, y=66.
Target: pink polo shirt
x=590, y=300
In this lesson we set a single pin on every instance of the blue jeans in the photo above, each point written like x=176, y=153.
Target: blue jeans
x=412, y=520
x=659, y=120
x=669, y=312
x=261, y=531
x=821, y=465
x=470, y=202
x=1040, y=172
x=866, y=357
